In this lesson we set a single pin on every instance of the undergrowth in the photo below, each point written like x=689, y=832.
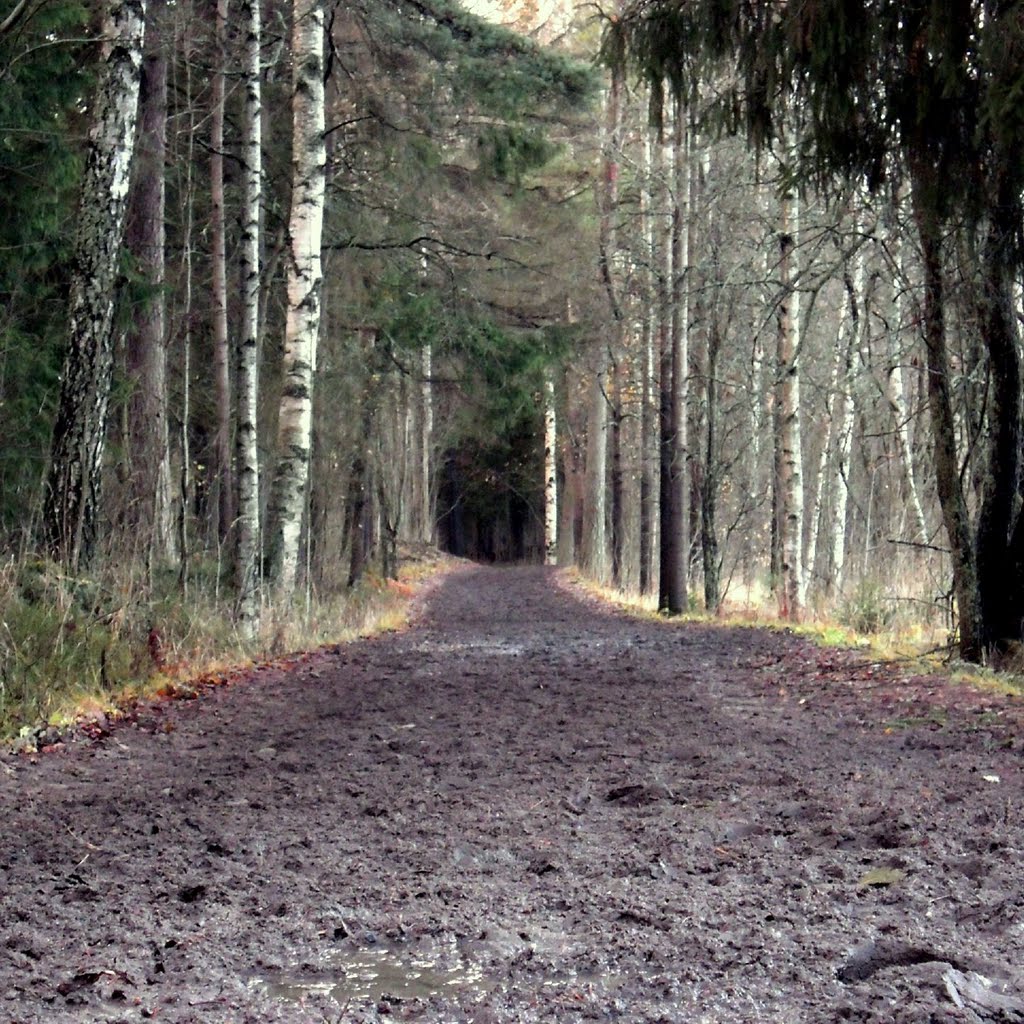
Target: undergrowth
x=868, y=618
x=85, y=646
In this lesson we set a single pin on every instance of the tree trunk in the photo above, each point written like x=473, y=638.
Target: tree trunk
x=148, y=515
x=428, y=530
x=896, y=394
x=73, y=482
x=222, y=483
x=846, y=417
x=952, y=500
x=709, y=490
x=647, y=384
x=672, y=593
x=792, y=591
x=1001, y=591
x=601, y=427
x=305, y=274
x=595, y=540
x=550, y=473
x=815, y=524
x=617, y=480
x=247, y=454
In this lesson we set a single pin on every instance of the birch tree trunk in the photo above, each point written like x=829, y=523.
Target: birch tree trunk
x=427, y=525
x=247, y=455
x=222, y=481
x=73, y=482
x=815, y=523
x=846, y=417
x=898, y=399
x=550, y=473
x=305, y=274
x=149, y=514
x=792, y=591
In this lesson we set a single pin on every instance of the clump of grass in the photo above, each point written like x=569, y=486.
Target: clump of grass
x=91, y=645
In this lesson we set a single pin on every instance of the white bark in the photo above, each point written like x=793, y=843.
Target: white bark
x=550, y=473
x=845, y=419
x=426, y=449
x=815, y=524
x=595, y=510
x=247, y=457
x=305, y=275
x=898, y=402
x=794, y=586
x=72, y=492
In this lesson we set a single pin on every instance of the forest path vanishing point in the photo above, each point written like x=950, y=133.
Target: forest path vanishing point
x=527, y=807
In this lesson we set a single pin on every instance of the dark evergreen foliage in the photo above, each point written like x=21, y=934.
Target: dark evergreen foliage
x=42, y=85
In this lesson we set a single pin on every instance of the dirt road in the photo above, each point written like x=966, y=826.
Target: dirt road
x=526, y=808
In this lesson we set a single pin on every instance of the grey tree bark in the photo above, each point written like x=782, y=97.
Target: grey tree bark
x=148, y=514
x=673, y=504
x=222, y=477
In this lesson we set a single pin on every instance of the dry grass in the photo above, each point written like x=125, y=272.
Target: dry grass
x=887, y=631
x=84, y=648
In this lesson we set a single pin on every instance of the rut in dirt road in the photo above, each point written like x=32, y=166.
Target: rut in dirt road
x=526, y=807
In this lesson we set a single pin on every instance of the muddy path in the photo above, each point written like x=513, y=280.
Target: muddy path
x=527, y=808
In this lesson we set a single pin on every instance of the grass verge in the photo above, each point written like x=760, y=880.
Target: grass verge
x=80, y=649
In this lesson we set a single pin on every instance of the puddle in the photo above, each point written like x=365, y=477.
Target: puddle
x=374, y=974
x=438, y=970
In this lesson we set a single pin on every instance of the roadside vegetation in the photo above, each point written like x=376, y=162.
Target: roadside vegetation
x=79, y=649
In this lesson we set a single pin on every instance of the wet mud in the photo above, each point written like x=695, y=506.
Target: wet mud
x=527, y=807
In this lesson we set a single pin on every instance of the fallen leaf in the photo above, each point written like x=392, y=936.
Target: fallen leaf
x=882, y=876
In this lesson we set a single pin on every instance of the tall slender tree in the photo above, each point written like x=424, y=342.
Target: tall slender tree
x=71, y=503
x=223, y=482
x=247, y=452
x=674, y=531
x=305, y=273
x=149, y=512
x=790, y=458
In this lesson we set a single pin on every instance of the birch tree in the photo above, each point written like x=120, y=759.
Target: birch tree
x=309, y=157
x=550, y=472
x=247, y=455
x=792, y=588
x=71, y=501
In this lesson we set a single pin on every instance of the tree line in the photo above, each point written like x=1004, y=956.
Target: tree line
x=734, y=305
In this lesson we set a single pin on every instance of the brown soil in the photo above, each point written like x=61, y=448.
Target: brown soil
x=526, y=807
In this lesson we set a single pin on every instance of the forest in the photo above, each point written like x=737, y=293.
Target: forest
x=718, y=301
